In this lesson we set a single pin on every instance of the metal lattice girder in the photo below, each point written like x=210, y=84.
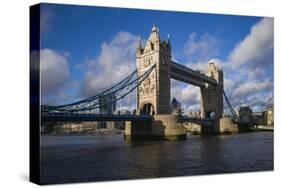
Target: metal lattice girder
x=118, y=91
x=187, y=75
x=105, y=92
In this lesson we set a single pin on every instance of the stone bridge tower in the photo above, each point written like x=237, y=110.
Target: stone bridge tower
x=212, y=96
x=153, y=95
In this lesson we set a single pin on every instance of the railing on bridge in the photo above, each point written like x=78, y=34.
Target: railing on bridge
x=70, y=117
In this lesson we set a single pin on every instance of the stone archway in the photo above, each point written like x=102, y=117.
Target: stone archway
x=210, y=115
x=147, y=109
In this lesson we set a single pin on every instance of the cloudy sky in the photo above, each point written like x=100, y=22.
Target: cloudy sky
x=87, y=49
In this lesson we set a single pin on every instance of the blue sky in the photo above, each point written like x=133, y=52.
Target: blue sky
x=82, y=45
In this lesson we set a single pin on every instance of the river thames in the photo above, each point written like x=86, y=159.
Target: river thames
x=79, y=158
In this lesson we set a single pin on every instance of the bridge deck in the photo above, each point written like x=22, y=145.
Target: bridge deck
x=67, y=117
x=64, y=117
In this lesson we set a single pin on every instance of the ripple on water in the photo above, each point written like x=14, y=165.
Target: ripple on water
x=74, y=158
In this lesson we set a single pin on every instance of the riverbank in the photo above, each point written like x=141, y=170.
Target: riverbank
x=264, y=128
x=87, y=132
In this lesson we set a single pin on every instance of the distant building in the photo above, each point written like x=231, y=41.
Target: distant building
x=107, y=104
x=123, y=112
x=258, y=118
x=194, y=114
x=245, y=115
x=264, y=118
x=175, y=106
x=121, y=124
x=190, y=113
x=268, y=116
x=69, y=127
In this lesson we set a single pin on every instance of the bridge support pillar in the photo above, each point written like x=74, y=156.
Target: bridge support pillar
x=168, y=127
x=212, y=97
x=135, y=130
x=165, y=127
x=227, y=126
x=153, y=94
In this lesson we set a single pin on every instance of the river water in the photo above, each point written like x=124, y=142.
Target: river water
x=78, y=158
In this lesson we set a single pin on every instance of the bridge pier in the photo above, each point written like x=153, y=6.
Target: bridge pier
x=227, y=126
x=168, y=126
x=137, y=130
x=165, y=126
x=212, y=97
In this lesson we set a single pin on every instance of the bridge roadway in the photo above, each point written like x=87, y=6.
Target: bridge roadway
x=68, y=117
x=187, y=75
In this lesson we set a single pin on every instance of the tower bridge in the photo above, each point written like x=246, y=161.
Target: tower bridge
x=153, y=95
x=152, y=81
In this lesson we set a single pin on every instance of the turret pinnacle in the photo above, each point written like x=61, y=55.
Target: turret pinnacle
x=139, y=43
x=168, y=40
x=154, y=28
x=154, y=35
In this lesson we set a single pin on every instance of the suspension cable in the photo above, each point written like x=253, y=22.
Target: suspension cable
x=92, y=103
x=230, y=106
x=139, y=80
x=122, y=83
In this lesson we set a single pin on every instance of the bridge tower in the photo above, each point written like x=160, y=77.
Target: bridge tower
x=212, y=96
x=153, y=95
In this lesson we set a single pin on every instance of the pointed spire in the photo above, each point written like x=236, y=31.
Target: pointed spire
x=168, y=40
x=139, y=43
x=154, y=28
x=154, y=35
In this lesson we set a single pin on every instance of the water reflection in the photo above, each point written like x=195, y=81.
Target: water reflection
x=109, y=157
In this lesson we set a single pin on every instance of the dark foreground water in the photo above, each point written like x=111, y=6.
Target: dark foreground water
x=78, y=158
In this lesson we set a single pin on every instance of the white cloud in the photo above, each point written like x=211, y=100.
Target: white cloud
x=256, y=73
x=54, y=70
x=257, y=101
x=201, y=48
x=193, y=108
x=250, y=67
x=203, y=65
x=187, y=95
x=247, y=70
x=115, y=61
x=252, y=87
x=191, y=94
x=228, y=85
x=256, y=46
